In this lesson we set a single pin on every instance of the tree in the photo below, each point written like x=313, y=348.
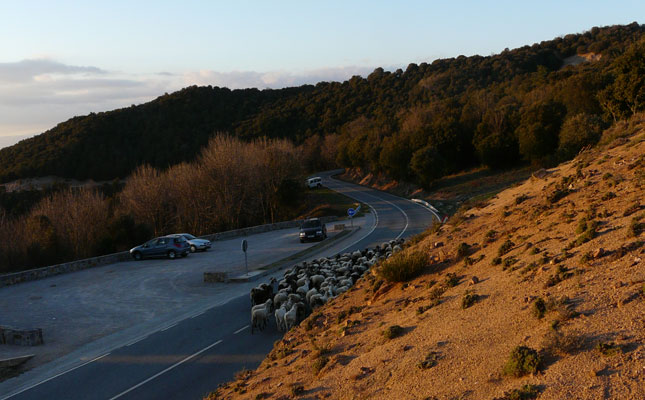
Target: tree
x=538, y=130
x=626, y=95
x=577, y=132
x=428, y=165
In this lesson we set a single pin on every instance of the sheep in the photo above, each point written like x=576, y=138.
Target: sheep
x=311, y=284
x=279, y=318
x=280, y=298
x=291, y=318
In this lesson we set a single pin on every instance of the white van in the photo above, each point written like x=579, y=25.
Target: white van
x=314, y=182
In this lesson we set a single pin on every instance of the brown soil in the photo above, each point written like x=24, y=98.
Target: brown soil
x=594, y=297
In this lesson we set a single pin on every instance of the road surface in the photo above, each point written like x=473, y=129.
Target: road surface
x=189, y=357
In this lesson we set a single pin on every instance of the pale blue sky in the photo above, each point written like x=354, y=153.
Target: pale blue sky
x=64, y=58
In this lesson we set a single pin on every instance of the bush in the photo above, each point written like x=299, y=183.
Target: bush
x=463, y=250
x=452, y=279
x=505, y=248
x=468, y=300
x=402, y=267
x=539, y=308
x=608, y=349
x=562, y=344
x=522, y=361
x=430, y=360
x=392, y=332
x=577, y=132
x=526, y=392
x=490, y=236
x=319, y=364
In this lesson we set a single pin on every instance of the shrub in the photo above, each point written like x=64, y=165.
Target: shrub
x=562, y=344
x=319, y=364
x=608, y=196
x=526, y=392
x=522, y=361
x=463, y=250
x=535, y=250
x=490, y=236
x=392, y=332
x=560, y=274
x=297, y=389
x=521, y=199
x=505, y=247
x=582, y=226
x=468, y=300
x=608, y=349
x=635, y=227
x=557, y=195
x=508, y=262
x=402, y=267
x=577, y=132
x=496, y=261
x=430, y=360
x=539, y=308
x=452, y=279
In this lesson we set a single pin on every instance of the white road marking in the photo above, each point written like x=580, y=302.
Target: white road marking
x=169, y=326
x=175, y=365
x=137, y=340
x=54, y=377
x=240, y=330
x=407, y=220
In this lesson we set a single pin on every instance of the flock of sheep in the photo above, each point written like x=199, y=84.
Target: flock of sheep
x=309, y=285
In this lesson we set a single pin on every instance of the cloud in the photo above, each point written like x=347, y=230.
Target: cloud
x=28, y=70
x=272, y=79
x=37, y=94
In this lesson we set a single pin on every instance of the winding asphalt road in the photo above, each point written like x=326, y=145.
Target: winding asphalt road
x=188, y=359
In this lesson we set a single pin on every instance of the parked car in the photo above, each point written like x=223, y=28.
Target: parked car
x=196, y=243
x=313, y=228
x=166, y=246
x=315, y=182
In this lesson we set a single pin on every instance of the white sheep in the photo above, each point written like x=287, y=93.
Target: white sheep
x=279, y=318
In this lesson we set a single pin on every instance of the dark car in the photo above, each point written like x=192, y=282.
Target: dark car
x=312, y=229
x=166, y=246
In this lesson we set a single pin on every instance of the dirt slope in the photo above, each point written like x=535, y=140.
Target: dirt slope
x=591, y=339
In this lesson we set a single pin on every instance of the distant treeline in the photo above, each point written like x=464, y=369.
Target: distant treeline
x=232, y=184
x=418, y=124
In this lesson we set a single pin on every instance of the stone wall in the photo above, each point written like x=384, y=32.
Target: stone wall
x=21, y=337
x=40, y=273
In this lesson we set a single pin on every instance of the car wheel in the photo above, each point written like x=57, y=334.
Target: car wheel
x=193, y=248
x=172, y=255
x=137, y=256
x=302, y=240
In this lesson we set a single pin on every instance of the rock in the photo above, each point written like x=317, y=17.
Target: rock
x=599, y=252
x=474, y=280
x=540, y=173
x=438, y=244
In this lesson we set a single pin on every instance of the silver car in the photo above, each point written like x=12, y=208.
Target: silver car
x=196, y=243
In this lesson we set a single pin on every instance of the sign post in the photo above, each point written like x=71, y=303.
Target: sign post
x=245, y=246
x=351, y=212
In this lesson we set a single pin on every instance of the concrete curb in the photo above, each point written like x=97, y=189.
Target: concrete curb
x=15, y=361
x=292, y=259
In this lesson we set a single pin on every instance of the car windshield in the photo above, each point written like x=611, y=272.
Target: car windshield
x=189, y=236
x=311, y=224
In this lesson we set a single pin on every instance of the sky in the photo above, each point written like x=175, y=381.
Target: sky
x=60, y=59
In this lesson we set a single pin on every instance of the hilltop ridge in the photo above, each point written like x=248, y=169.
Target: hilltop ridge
x=554, y=264
x=427, y=109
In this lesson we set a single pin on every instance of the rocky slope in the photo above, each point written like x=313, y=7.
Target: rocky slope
x=554, y=264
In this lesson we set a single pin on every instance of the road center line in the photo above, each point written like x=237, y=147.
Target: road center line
x=175, y=365
x=240, y=330
x=55, y=376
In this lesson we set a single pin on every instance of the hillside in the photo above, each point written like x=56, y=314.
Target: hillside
x=408, y=117
x=554, y=264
